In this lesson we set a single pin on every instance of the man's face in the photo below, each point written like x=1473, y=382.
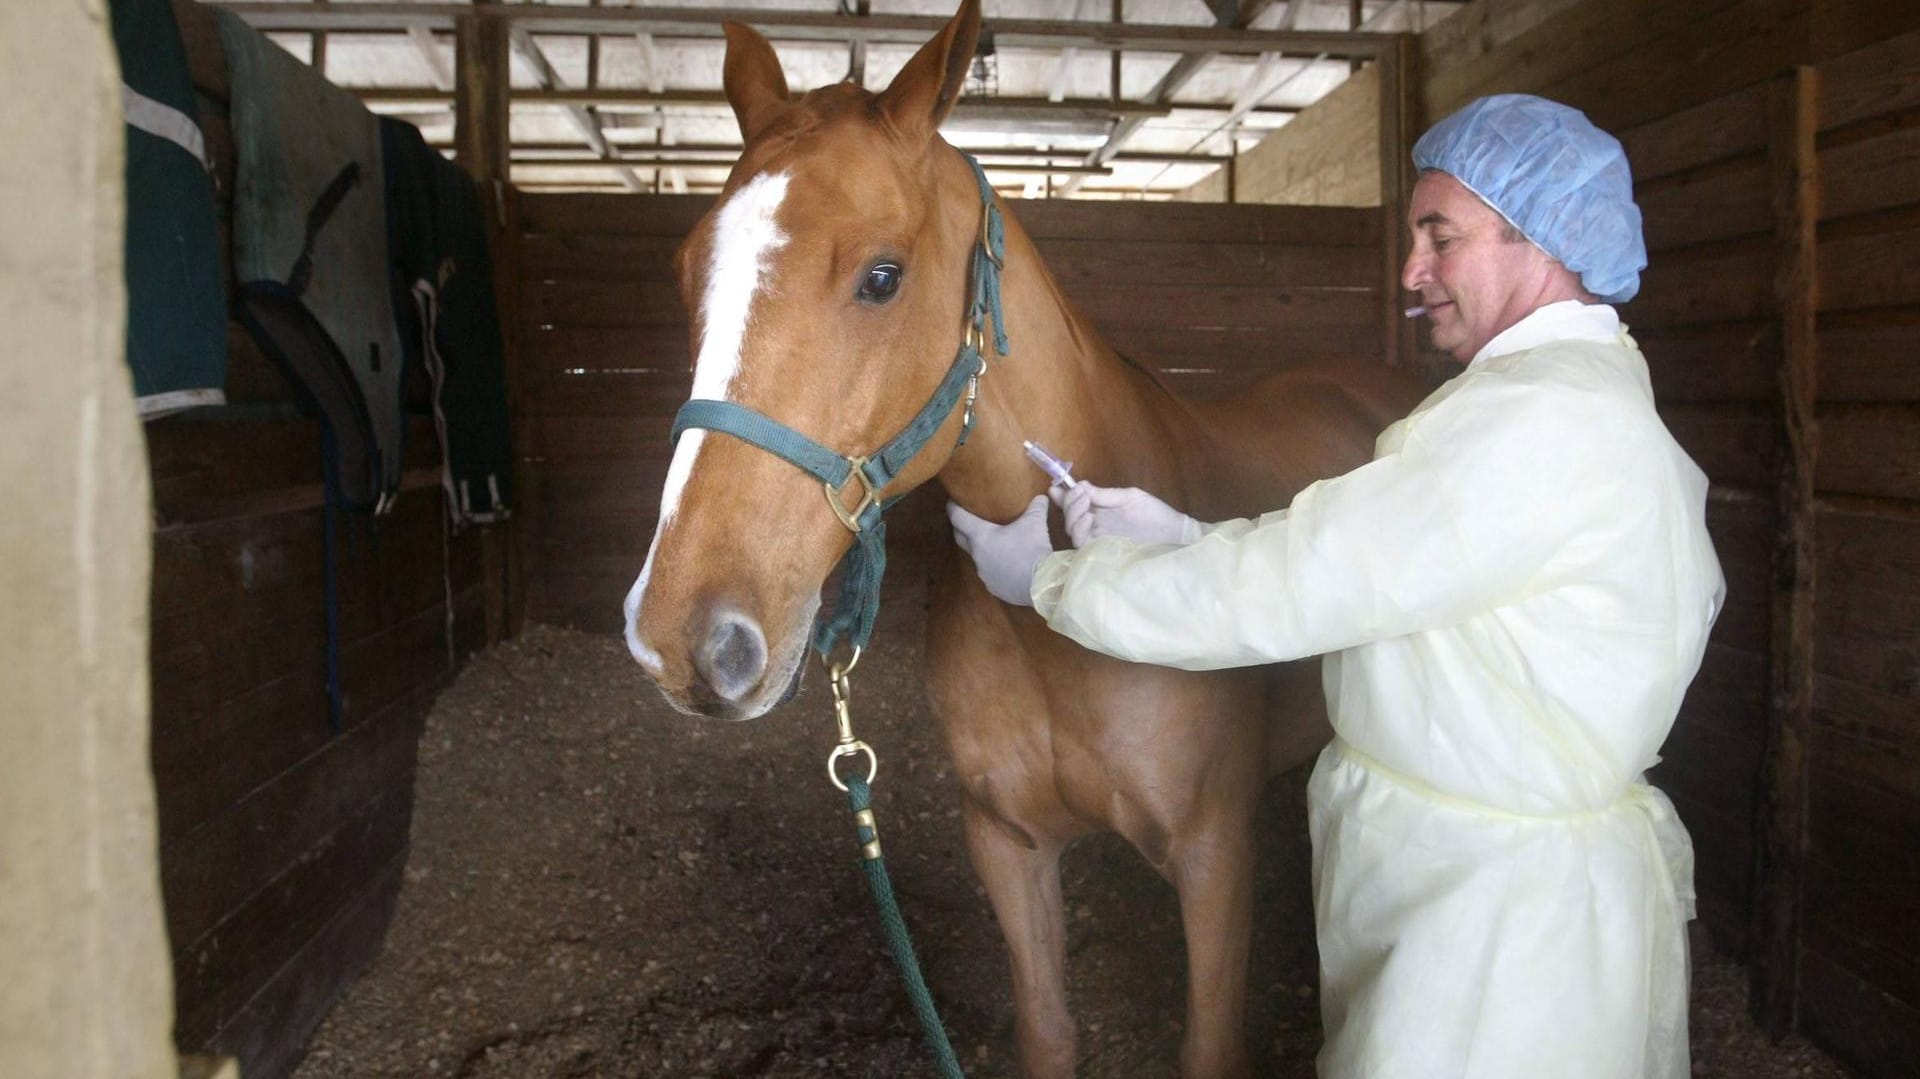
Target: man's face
x=1474, y=280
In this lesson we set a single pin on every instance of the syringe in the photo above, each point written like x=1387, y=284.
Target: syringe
x=1056, y=470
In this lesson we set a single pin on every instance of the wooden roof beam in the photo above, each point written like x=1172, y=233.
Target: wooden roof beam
x=309, y=16
x=583, y=119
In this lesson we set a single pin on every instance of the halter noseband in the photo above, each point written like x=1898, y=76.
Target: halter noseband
x=866, y=562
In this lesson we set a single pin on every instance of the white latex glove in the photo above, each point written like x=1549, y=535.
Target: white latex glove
x=1005, y=555
x=1093, y=512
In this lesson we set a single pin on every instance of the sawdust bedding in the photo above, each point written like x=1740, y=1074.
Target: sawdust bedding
x=599, y=886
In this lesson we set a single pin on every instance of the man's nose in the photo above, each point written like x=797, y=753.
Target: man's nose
x=1413, y=273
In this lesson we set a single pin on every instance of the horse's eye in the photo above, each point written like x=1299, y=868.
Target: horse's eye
x=882, y=281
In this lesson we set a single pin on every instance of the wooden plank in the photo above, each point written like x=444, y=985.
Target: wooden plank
x=1484, y=27
x=1729, y=694
x=271, y=1031
x=1066, y=219
x=1163, y=345
x=1286, y=310
x=1733, y=444
x=1869, y=602
x=1871, y=450
x=1398, y=127
x=1743, y=538
x=1552, y=52
x=206, y=656
x=1725, y=49
x=261, y=734
x=209, y=874
x=1867, y=926
x=1872, y=169
x=1869, y=835
x=1723, y=849
x=1868, y=355
x=577, y=597
x=599, y=214
x=1846, y=924
x=598, y=257
x=1726, y=127
x=1781, y=867
x=481, y=109
x=609, y=394
x=217, y=564
x=611, y=538
x=630, y=257
x=598, y=304
x=502, y=545
x=1871, y=261
x=1721, y=283
x=1154, y=262
x=1712, y=767
x=664, y=349
x=595, y=487
x=224, y=969
x=1875, y=81
x=1861, y=1025
x=204, y=461
x=1722, y=362
x=1868, y=736
x=1723, y=202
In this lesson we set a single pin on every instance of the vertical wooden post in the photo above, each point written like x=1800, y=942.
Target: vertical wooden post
x=480, y=104
x=1792, y=122
x=1399, y=105
x=481, y=145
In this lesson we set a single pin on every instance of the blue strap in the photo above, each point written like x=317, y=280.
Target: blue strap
x=771, y=435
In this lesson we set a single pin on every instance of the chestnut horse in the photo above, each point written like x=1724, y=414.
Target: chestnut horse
x=827, y=288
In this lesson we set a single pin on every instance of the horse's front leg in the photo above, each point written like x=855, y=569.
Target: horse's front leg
x=1023, y=883
x=1213, y=871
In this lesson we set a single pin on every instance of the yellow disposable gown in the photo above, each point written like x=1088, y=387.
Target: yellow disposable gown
x=1512, y=598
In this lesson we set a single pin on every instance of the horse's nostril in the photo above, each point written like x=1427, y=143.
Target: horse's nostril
x=733, y=657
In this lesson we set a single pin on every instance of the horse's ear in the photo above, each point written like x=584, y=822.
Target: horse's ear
x=924, y=92
x=755, y=85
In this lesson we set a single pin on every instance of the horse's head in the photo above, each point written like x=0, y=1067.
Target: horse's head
x=826, y=289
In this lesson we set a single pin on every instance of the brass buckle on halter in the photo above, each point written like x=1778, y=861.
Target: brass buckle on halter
x=868, y=496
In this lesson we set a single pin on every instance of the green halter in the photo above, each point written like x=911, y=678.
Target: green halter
x=866, y=562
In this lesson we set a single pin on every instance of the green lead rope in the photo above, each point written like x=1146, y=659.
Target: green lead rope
x=860, y=797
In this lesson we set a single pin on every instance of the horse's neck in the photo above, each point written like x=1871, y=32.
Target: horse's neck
x=1063, y=387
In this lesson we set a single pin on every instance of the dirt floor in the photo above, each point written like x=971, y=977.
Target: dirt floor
x=600, y=886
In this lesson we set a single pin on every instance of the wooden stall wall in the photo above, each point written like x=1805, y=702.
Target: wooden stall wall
x=1212, y=296
x=1859, y=912
x=282, y=840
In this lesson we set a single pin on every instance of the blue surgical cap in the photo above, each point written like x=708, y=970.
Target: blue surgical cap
x=1555, y=177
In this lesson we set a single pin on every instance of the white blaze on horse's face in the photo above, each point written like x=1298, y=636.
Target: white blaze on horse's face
x=745, y=236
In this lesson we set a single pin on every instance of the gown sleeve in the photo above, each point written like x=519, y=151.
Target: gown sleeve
x=1489, y=486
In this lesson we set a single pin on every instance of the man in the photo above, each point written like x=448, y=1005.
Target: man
x=1512, y=598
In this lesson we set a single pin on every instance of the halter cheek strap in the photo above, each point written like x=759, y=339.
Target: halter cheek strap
x=859, y=600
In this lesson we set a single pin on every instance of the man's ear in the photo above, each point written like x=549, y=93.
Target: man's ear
x=924, y=92
x=755, y=85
